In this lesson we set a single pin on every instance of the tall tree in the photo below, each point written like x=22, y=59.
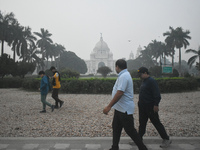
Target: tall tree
x=157, y=50
x=146, y=58
x=192, y=59
x=6, y=22
x=71, y=61
x=43, y=42
x=178, y=38
x=170, y=42
x=17, y=33
x=28, y=40
x=22, y=41
x=54, y=50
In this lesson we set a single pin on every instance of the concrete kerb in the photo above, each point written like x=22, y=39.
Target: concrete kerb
x=146, y=139
x=92, y=143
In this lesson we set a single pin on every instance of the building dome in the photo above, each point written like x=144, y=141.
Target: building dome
x=100, y=56
x=101, y=47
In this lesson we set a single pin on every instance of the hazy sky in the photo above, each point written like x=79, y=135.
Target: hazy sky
x=77, y=24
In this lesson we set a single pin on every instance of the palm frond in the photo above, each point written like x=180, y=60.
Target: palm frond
x=192, y=60
x=191, y=50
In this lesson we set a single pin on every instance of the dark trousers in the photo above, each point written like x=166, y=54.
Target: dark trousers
x=146, y=112
x=123, y=120
x=55, y=96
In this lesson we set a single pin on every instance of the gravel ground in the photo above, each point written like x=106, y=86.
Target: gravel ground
x=81, y=115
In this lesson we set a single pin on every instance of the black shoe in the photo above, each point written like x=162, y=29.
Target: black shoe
x=52, y=108
x=61, y=103
x=44, y=111
x=55, y=107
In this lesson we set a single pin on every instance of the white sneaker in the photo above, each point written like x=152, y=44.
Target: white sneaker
x=165, y=143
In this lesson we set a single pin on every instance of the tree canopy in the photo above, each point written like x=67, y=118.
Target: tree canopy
x=71, y=61
x=104, y=71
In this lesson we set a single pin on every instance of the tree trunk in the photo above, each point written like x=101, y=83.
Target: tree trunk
x=199, y=66
x=14, y=55
x=2, y=47
x=47, y=64
x=180, y=73
x=164, y=59
x=160, y=61
x=42, y=58
x=172, y=60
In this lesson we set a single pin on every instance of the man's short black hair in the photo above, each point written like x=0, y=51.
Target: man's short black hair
x=52, y=67
x=121, y=63
x=41, y=72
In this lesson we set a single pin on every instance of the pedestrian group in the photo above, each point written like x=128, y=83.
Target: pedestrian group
x=123, y=104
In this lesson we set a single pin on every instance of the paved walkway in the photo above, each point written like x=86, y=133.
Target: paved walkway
x=83, y=143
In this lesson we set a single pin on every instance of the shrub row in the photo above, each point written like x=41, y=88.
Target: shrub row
x=102, y=86
x=11, y=82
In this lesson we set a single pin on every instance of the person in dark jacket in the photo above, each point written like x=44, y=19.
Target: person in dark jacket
x=148, y=104
x=44, y=89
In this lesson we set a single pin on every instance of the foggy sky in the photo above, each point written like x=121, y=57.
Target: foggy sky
x=77, y=24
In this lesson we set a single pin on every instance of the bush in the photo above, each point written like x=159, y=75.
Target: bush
x=177, y=85
x=198, y=82
x=23, y=68
x=175, y=73
x=68, y=73
x=10, y=82
x=104, y=71
x=102, y=86
x=31, y=83
x=134, y=73
x=156, y=71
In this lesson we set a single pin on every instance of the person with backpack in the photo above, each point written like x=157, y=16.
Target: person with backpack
x=44, y=89
x=56, y=86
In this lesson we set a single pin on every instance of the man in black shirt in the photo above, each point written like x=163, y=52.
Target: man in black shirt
x=148, y=104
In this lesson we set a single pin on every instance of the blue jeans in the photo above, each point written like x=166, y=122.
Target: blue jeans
x=44, y=102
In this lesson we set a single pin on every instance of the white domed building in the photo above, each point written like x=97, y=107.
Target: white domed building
x=99, y=57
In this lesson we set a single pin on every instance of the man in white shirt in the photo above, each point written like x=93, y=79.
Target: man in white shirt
x=122, y=102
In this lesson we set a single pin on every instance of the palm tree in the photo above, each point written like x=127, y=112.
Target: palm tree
x=158, y=50
x=17, y=33
x=177, y=38
x=22, y=41
x=170, y=44
x=146, y=58
x=153, y=49
x=194, y=58
x=59, y=49
x=6, y=22
x=28, y=40
x=44, y=42
x=54, y=50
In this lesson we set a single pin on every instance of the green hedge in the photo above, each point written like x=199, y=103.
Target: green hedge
x=177, y=85
x=89, y=86
x=102, y=86
x=11, y=82
x=31, y=84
